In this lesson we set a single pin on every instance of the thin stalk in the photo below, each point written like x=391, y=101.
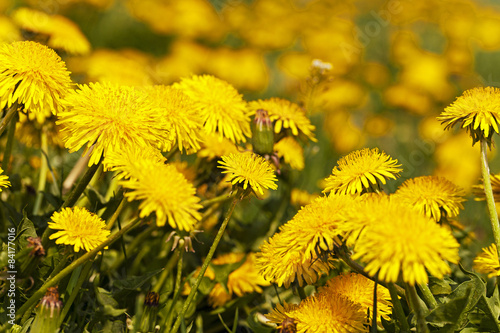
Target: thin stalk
x=44, y=168
x=164, y=274
x=218, y=199
x=8, y=117
x=84, y=201
x=178, y=285
x=81, y=279
x=115, y=215
x=429, y=299
x=78, y=262
x=398, y=308
x=10, y=142
x=81, y=186
x=416, y=306
x=488, y=191
x=208, y=259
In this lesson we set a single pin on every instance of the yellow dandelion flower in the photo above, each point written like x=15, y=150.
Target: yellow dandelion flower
x=179, y=111
x=221, y=107
x=110, y=117
x=214, y=146
x=359, y=289
x=417, y=243
x=436, y=197
x=281, y=315
x=291, y=152
x=487, y=261
x=33, y=75
x=317, y=225
x=360, y=171
x=286, y=115
x=4, y=181
x=249, y=169
x=79, y=228
x=62, y=33
x=282, y=261
x=477, y=110
x=243, y=280
x=329, y=312
x=159, y=187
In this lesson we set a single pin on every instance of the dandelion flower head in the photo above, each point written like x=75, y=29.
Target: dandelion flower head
x=222, y=109
x=282, y=261
x=399, y=243
x=433, y=196
x=477, y=110
x=286, y=115
x=249, y=169
x=178, y=109
x=79, y=228
x=329, y=312
x=359, y=289
x=487, y=261
x=33, y=75
x=159, y=187
x=360, y=171
x=110, y=117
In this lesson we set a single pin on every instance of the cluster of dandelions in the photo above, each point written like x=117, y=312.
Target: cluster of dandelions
x=133, y=133
x=398, y=238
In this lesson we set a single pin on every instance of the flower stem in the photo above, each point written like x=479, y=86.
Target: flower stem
x=398, y=308
x=10, y=142
x=416, y=306
x=81, y=186
x=221, y=198
x=429, y=299
x=78, y=262
x=81, y=279
x=8, y=117
x=44, y=168
x=177, y=288
x=490, y=201
x=204, y=267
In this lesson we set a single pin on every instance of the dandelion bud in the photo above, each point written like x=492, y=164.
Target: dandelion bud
x=47, y=313
x=148, y=320
x=262, y=133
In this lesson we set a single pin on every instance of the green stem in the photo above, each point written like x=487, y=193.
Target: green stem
x=44, y=168
x=81, y=186
x=429, y=299
x=115, y=215
x=8, y=117
x=177, y=288
x=81, y=279
x=10, y=142
x=416, y=306
x=221, y=198
x=398, y=308
x=204, y=267
x=83, y=259
x=490, y=200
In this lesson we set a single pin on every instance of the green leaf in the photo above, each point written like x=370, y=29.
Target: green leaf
x=440, y=286
x=104, y=298
x=491, y=307
x=452, y=314
x=109, y=310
